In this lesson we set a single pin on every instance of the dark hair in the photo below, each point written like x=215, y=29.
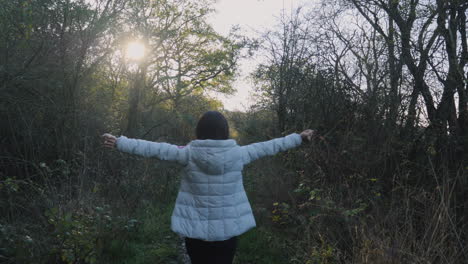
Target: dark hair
x=212, y=125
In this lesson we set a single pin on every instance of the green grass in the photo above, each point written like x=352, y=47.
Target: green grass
x=153, y=241
x=156, y=243
x=260, y=246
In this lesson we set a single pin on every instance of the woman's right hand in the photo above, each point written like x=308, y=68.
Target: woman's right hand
x=308, y=134
x=109, y=140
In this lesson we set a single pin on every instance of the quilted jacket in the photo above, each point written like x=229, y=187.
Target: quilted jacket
x=212, y=204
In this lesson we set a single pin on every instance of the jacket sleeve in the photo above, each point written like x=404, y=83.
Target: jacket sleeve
x=163, y=151
x=257, y=150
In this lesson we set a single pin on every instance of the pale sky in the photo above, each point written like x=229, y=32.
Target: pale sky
x=252, y=16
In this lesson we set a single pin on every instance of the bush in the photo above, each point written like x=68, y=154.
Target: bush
x=84, y=236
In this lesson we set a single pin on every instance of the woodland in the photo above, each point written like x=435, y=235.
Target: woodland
x=383, y=82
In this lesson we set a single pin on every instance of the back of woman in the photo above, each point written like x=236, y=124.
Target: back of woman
x=212, y=208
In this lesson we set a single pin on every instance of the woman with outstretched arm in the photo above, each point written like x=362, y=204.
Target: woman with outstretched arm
x=211, y=208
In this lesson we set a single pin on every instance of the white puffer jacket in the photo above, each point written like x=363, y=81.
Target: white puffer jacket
x=211, y=204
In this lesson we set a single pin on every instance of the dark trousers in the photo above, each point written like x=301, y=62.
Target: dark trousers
x=211, y=252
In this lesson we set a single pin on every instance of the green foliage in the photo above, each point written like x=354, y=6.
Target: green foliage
x=280, y=214
x=155, y=242
x=100, y=236
x=260, y=246
x=324, y=253
x=84, y=236
x=18, y=241
x=187, y=57
x=10, y=184
x=376, y=186
x=253, y=126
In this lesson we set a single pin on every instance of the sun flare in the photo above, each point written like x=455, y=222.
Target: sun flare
x=135, y=50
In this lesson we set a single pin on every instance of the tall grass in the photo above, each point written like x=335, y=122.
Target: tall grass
x=355, y=220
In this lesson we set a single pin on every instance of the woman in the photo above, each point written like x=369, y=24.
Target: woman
x=212, y=208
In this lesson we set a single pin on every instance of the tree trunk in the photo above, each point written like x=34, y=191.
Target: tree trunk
x=135, y=101
x=394, y=76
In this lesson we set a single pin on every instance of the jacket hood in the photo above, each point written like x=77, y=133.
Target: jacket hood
x=210, y=155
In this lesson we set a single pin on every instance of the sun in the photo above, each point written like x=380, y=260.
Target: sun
x=135, y=50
